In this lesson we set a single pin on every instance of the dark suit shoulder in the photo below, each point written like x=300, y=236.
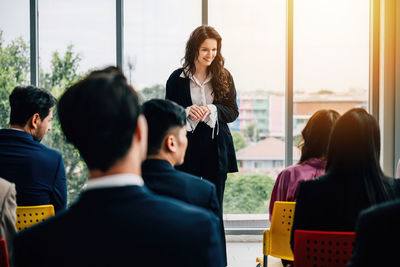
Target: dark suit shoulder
x=51, y=152
x=194, y=179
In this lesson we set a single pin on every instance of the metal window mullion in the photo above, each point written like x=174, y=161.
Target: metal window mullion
x=34, y=42
x=204, y=12
x=289, y=85
x=120, y=33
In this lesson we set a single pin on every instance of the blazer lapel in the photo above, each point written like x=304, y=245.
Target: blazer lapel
x=186, y=98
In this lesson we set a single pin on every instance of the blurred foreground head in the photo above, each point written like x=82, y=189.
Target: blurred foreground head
x=100, y=115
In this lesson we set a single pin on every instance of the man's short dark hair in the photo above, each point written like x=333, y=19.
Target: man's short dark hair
x=161, y=116
x=27, y=101
x=99, y=116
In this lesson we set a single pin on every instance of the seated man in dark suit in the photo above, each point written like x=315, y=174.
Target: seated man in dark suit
x=167, y=143
x=117, y=221
x=36, y=170
x=377, y=236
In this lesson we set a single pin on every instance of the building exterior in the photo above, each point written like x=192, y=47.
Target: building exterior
x=254, y=109
x=266, y=156
x=266, y=110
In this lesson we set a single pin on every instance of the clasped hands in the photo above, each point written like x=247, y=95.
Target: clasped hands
x=199, y=113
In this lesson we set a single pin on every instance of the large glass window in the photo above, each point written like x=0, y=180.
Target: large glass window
x=156, y=32
x=253, y=44
x=331, y=58
x=330, y=65
x=74, y=37
x=14, y=51
x=87, y=26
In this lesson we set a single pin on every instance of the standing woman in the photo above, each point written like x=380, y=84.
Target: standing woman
x=206, y=89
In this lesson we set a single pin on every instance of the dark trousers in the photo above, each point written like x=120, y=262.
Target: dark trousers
x=201, y=159
x=218, y=179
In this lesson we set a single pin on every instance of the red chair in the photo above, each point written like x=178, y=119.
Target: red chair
x=3, y=254
x=319, y=248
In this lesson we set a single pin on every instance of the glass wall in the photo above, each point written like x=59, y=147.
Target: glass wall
x=253, y=44
x=156, y=32
x=331, y=58
x=85, y=28
x=74, y=37
x=331, y=49
x=14, y=51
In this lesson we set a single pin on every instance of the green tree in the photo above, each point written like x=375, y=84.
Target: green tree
x=247, y=193
x=155, y=91
x=238, y=140
x=63, y=73
x=14, y=62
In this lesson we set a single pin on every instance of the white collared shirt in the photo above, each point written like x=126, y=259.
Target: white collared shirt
x=16, y=129
x=201, y=95
x=117, y=180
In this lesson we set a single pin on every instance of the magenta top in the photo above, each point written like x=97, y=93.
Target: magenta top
x=288, y=180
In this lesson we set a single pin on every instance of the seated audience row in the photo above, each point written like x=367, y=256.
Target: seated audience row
x=353, y=180
x=117, y=220
x=179, y=220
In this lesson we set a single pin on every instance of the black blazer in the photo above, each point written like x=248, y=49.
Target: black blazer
x=123, y=226
x=377, y=236
x=36, y=170
x=163, y=179
x=178, y=90
x=332, y=203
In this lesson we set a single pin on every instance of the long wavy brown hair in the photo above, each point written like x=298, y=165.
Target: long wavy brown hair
x=220, y=77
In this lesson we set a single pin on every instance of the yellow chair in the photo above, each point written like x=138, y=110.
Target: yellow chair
x=31, y=215
x=276, y=240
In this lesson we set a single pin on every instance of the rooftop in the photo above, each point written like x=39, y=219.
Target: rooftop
x=270, y=148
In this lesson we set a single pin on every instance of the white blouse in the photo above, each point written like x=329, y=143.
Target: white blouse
x=201, y=95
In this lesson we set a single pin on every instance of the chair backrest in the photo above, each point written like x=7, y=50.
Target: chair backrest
x=31, y=215
x=320, y=248
x=281, y=227
x=3, y=253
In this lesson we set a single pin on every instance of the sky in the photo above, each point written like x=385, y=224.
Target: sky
x=330, y=38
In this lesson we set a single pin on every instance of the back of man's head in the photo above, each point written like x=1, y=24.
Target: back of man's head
x=161, y=116
x=27, y=101
x=99, y=115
